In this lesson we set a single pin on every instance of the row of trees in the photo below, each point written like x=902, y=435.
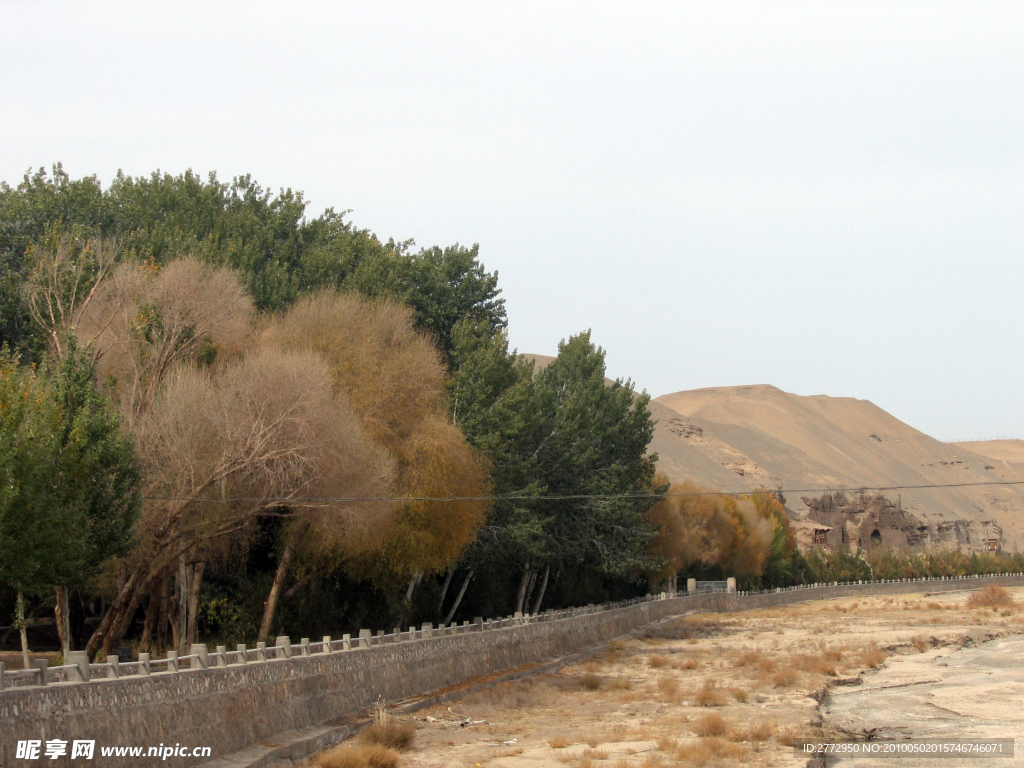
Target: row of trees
x=218, y=415
x=295, y=398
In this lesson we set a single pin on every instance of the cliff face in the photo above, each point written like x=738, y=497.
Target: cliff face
x=867, y=521
x=744, y=438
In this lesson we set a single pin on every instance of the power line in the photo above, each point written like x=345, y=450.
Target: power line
x=573, y=497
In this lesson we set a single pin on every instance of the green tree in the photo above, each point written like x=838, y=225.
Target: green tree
x=590, y=441
x=95, y=479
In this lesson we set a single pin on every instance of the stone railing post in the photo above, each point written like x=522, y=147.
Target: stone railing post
x=113, y=666
x=285, y=644
x=261, y=651
x=2, y=683
x=172, y=661
x=304, y=646
x=202, y=657
x=365, y=638
x=81, y=660
x=144, y=664
x=730, y=585
x=240, y=648
x=41, y=675
x=222, y=656
x=327, y=643
x=691, y=586
x=346, y=642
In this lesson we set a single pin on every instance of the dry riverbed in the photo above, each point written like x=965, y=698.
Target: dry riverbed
x=702, y=689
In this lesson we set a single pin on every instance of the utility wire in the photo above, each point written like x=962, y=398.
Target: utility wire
x=577, y=497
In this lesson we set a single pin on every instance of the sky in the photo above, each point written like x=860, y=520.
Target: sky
x=826, y=197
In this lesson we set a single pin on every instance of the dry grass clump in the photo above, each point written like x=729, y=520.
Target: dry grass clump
x=620, y=684
x=992, y=596
x=390, y=734
x=712, y=724
x=596, y=754
x=668, y=687
x=739, y=694
x=708, y=750
x=819, y=665
x=591, y=682
x=832, y=654
x=921, y=643
x=747, y=659
x=785, y=678
x=786, y=736
x=657, y=662
x=686, y=664
x=667, y=743
x=616, y=645
x=760, y=731
x=534, y=691
x=708, y=695
x=358, y=756
x=872, y=657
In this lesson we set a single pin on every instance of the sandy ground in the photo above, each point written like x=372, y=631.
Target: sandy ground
x=938, y=694
x=703, y=689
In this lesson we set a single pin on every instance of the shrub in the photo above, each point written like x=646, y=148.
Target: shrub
x=657, y=661
x=992, y=596
x=389, y=734
x=785, y=678
x=591, y=682
x=358, y=756
x=711, y=725
x=872, y=657
x=709, y=695
x=761, y=731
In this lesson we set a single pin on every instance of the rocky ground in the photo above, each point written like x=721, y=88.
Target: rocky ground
x=735, y=689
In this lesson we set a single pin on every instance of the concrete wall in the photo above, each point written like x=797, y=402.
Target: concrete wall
x=232, y=707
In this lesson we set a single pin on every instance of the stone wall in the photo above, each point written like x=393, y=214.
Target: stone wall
x=231, y=707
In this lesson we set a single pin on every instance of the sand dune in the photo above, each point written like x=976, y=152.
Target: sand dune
x=739, y=439
x=764, y=437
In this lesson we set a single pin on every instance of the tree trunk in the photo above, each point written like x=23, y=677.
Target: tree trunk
x=529, y=591
x=62, y=615
x=183, y=574
x=543, y=589
x=149, y=628
x=522, y=588
x=444, y=590
x=415, y=580
x=282, y=571
x=458, y=597
x=19, y=607
x=125, y=594
x=173, y=611
x=195, y=584
x=163, y=610
x=298, y=585
x=124, y=619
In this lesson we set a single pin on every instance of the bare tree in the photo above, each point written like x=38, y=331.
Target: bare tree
x=221, y=447
x=146, y=321
x=67, y=277
x=395, y=382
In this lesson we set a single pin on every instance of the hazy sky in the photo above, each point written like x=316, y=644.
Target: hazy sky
x=827, y=197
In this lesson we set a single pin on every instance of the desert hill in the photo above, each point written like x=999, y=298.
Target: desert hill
x=744, y=438
x=764, y=437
